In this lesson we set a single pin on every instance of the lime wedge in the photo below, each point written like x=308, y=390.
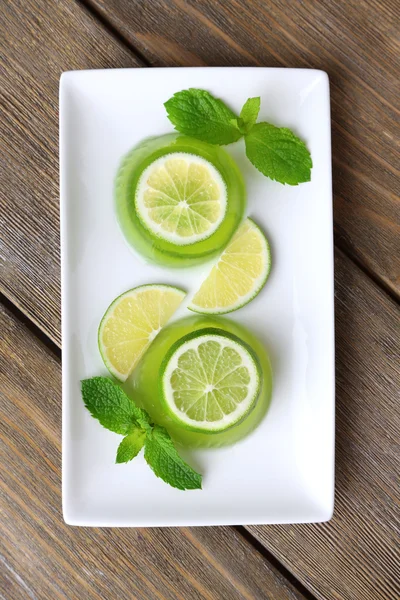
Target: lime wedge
x=210, y=380
x=239, y=274
x=181, y=198
x=131, y=323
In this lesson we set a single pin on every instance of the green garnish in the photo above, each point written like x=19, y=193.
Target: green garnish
x=275, y=151
x=113, y=408
x=109, y=404
x=131, y=445
x=160, y=453
x=278, y=154
x=200, y=115
x=248, y=114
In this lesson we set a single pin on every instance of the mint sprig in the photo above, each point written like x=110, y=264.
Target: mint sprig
x=275, y=151
x=113, y=408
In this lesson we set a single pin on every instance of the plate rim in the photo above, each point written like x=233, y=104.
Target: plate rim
x=325, y=512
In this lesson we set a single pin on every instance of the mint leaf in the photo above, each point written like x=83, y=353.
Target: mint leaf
x=131, y=445
x=109, y=404
x=278, y=154
x=162, y=457
x=275, y=151
x=198, y=114
x=248, y=114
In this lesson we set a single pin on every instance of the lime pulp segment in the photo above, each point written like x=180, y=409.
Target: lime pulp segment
x=210, y=381
x=181, y=198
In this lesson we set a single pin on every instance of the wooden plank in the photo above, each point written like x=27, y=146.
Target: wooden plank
x=38, y=44
x=354, y=41
x=41, y=557
x=356, y=555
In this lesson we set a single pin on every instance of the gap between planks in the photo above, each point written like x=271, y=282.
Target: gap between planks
x=31, y=325
x=275, y=562
x=88, y=6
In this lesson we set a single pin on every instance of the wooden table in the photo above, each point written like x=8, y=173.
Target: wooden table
x=355, y=555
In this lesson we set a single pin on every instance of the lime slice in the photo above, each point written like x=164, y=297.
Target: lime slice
x=181, y=198
x=210, y=380
x=239, y=274
x=131, y=323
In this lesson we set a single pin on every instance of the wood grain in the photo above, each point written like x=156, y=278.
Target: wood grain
x=353, y=557
x=38, y=44
x=42, y=558
x=356, y=42
x=356, y=555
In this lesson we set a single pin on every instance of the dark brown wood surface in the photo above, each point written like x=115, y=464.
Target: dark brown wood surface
x=355, y=555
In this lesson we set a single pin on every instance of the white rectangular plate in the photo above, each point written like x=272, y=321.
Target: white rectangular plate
x=284, y=471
